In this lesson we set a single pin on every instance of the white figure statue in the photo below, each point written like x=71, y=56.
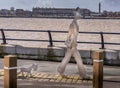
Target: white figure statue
x=71, y=44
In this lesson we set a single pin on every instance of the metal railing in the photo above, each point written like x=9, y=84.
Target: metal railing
x=51, y=41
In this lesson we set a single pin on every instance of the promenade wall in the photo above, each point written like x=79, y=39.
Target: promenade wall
x=112, y=57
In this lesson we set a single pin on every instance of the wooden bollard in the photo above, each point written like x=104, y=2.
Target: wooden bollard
x=98, y=57
x=10, y=73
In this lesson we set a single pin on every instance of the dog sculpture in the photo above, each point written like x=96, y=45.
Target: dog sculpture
x=28, y=70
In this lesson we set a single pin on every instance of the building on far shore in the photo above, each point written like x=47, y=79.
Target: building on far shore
x=57, y=12
x=23, y=13
x=52, y=12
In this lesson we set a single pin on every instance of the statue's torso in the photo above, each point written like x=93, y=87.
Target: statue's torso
x=75, y=30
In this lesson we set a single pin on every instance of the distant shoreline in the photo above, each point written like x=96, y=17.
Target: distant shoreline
x=62, y=17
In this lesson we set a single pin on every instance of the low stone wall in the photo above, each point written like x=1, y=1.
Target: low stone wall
x=112, y=57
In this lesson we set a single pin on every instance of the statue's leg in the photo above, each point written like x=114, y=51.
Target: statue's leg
x=62, y=65
x=30, y=74
x=80, y=64
x=22, y=73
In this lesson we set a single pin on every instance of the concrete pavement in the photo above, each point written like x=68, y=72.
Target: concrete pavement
x=47, y=76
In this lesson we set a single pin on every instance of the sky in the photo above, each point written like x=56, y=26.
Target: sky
x=109, y=5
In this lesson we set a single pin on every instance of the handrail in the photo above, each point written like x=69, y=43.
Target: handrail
x=50, y=40
x=3, y=36
x=102, y=40
x=59, y=31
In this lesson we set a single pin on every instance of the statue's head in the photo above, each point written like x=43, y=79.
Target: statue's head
x=77, y=14
x=35, y=66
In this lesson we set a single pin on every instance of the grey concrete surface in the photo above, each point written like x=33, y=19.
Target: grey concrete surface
x=111, y=75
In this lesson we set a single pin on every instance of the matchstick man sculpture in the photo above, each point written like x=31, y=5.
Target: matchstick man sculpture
x=71, y=44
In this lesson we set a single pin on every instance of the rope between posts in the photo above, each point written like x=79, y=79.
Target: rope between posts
x=98, y=61
x=17, y=67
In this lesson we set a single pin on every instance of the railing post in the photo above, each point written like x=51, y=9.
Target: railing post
x=102, y=41
x=3, y=37
x=10, y=75
x=98, y=69
x=50, y=39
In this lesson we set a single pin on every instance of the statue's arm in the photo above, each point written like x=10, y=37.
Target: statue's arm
x=69, y=35
x=70, y=32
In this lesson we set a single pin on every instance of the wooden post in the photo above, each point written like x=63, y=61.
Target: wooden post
x=98, y=69
x=10, y=74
